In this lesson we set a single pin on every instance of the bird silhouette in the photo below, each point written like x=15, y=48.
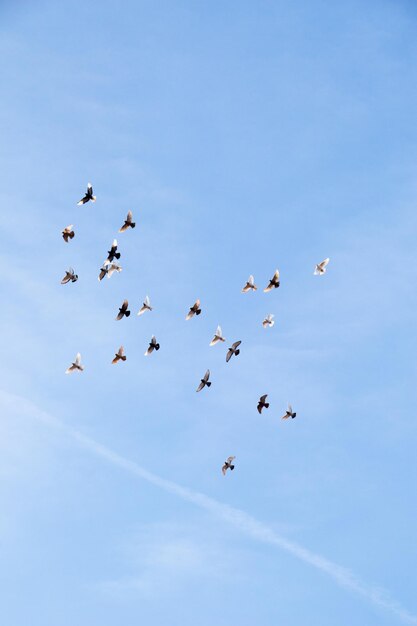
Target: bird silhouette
x=262, y=404
x=88, y=195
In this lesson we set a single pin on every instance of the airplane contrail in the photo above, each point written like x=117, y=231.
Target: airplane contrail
x=232, y=515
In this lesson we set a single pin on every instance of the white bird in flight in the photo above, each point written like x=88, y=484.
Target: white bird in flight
x=321, y=267
x=146, y=306
x=76, y=365
x=289, y=413
x=218, y=336
x=250, y=285
x=268, y=321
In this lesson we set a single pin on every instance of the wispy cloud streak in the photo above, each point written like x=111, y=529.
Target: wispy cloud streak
x=240, y=520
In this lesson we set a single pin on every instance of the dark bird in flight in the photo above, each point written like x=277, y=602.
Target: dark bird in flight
x=112, y=253
x=262, y=404
x=218, y=336
x=289, y=413
x=321, y=267
x=123, y=311
x=128, y=223
x=120, y=355
x=70, y=275
x=76, y=365
x=194, y=310
x=204, y=381
x=250, y=285
x=68, y=233
x=153, y=345
x=146, y=306
x=233, y=350
x=88, y=195
x=273, y=283
x=104, y=270
x=228, y=465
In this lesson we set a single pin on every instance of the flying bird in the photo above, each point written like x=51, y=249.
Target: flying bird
x=120, y=355
x=76, y=365
x=70, y=275
x=289, y=413
x=112, y=253
x=68, y=233
x=228, y=465
x=146, y=306
x=273, y=283
x=321, y=267
x=250, y=285
x=204, y=381
x=104, y=269
x=128, y=223
x=153, y=345
x=194, y=310
x=218, y=336
x=88, y=195
x=113, y=267
x=268, y=321
x=262, y=404
x=233, y=350
x=123, y=311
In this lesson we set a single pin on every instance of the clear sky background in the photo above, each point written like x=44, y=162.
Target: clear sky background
x=244, y=136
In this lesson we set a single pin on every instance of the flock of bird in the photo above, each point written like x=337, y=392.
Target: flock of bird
x=111, y=265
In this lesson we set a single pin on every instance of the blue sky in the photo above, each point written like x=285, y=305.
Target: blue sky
x=244, y=137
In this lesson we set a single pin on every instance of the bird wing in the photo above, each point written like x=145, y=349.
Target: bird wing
x=206, y=375
x=78, y=359
x=149, y=350
x=324, y=263
x=269, y=287
x=153, y=340
x=147, y=301
x=236, y=344
x=214, y=340
x=113, y=268
x=196, y=304
x=129, y=217
x=263, y=398
x=270, y=317
x=230, y=459
x=114, y=244
x=121, y=351
x=200, y=386
x=224, y=469
x=70, y=369
x=189, y=315
x=251, y=280
x=142, y=310
x=66, y=278
x=229, y=355
x=125, y=305
x=218, y=332
x=276, y=275
x=290, y=408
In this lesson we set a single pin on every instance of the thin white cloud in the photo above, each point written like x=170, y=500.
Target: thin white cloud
x=240, y=520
